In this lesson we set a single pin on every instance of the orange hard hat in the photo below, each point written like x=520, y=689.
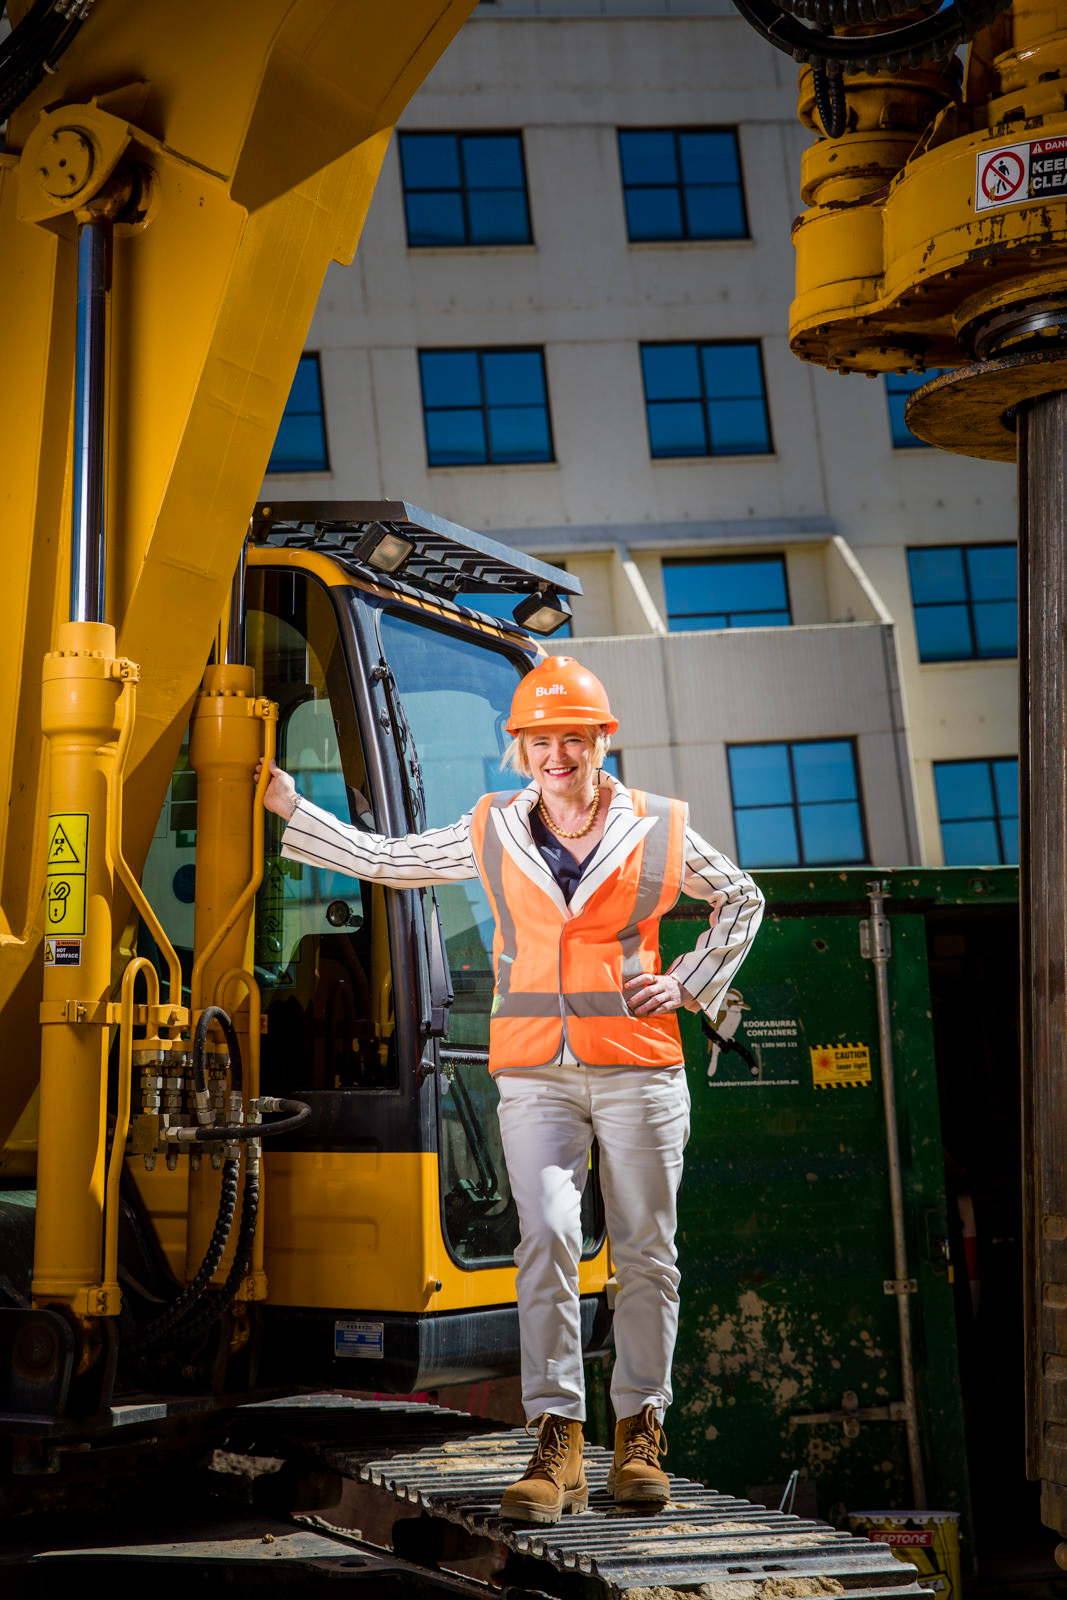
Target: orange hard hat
x=560, y=693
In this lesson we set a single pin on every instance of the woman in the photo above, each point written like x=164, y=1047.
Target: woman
x=583, y=1041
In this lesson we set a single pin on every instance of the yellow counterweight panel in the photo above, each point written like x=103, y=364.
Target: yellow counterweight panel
x=364, y=1231
x=261, y=128
x=166, y=1198
x=359, y=1231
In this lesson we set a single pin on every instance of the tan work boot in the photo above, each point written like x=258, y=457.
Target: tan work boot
x=635, y=1474
x=554, y=1481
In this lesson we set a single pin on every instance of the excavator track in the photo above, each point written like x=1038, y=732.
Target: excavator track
x=453, y=1467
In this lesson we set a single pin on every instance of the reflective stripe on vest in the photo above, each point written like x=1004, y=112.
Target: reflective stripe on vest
x=650, y=887
x=539, y=951
x=493, y=856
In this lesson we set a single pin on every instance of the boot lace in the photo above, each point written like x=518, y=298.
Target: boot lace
x=645, y=1440
x=553, y=1444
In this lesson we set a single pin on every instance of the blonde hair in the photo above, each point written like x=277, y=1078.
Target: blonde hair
x=516, y=759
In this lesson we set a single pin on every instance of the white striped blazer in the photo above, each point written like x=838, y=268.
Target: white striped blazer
x=444, y=855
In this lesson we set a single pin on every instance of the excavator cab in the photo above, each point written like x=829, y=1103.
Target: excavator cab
x=389, y=1225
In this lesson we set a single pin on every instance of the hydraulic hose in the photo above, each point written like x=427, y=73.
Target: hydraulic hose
x=179, y=1323
x=234, y=1132
x=35, y=46
x=931, y=38
x=209, y=1015
x=830, y=101
x=210, y=1313
x=179, y=1308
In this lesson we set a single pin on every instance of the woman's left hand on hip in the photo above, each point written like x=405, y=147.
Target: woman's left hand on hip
x=654, y=992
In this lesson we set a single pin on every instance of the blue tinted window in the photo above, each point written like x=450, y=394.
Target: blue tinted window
x=514, y=377
x=761, y=775
x=965, y=601
x=485, y=407
x=732, y=371
x=300, y=443
x=682, y=184
x=725, y=593
x=991, y=569
x=824, y=771
x=671, y=371
x=797, y=804
x=464, y=188
x=978, y=804
x=450, y=378
x=705, y=399
x=898, y=388
x=767, y=837
x=937, y=575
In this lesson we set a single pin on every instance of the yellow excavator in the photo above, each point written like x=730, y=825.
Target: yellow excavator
x=934, y=246
x=238, y=1154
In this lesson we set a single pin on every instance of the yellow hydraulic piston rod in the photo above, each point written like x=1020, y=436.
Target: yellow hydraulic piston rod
x=226, y=739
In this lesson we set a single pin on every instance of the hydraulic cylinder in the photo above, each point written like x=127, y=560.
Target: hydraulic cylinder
x=81, y=719
x=225, y=741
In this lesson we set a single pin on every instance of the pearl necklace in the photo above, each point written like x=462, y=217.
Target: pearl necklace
x=562, y=832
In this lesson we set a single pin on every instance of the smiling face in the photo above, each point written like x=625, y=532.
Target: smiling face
x=562, y=762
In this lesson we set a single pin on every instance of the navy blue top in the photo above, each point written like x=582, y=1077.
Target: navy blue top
x=562, y=865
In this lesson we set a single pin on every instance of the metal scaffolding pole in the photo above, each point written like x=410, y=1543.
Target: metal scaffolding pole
x=1042, y=425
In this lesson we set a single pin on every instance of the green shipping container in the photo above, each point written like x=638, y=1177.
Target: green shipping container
x=785, y=1233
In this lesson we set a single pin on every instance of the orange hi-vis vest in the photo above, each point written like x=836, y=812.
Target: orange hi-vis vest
x=556, y=973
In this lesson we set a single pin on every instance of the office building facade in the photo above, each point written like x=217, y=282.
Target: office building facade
x=566, y=325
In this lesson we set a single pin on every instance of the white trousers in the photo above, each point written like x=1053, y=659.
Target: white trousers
x=640, y=1117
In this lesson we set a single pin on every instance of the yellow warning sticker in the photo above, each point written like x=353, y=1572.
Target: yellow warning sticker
x=68, y=855
x=840, y=1066
x=68, y=841
x=65, y=905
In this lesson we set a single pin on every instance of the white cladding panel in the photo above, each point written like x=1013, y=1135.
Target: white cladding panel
x=683, y=698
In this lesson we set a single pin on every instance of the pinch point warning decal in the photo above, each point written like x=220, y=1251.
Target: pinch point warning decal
x=840, y=1066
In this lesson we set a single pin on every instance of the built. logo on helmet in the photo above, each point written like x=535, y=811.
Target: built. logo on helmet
x=576, y=698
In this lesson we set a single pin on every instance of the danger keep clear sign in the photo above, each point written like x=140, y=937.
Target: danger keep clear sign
x=1016, y=173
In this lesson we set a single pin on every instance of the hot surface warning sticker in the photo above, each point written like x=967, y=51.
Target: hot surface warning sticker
x=840, y=1066
x=68, y=851
x=62, y=952
x=1016, y=173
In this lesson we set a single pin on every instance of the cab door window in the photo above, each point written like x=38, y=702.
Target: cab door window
x=321, y=941
x=456, y=691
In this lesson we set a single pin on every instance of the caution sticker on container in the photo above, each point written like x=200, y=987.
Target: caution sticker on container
x=1015, y=173
x=62, y=952
x=840, y=1066
x=366, y=1339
